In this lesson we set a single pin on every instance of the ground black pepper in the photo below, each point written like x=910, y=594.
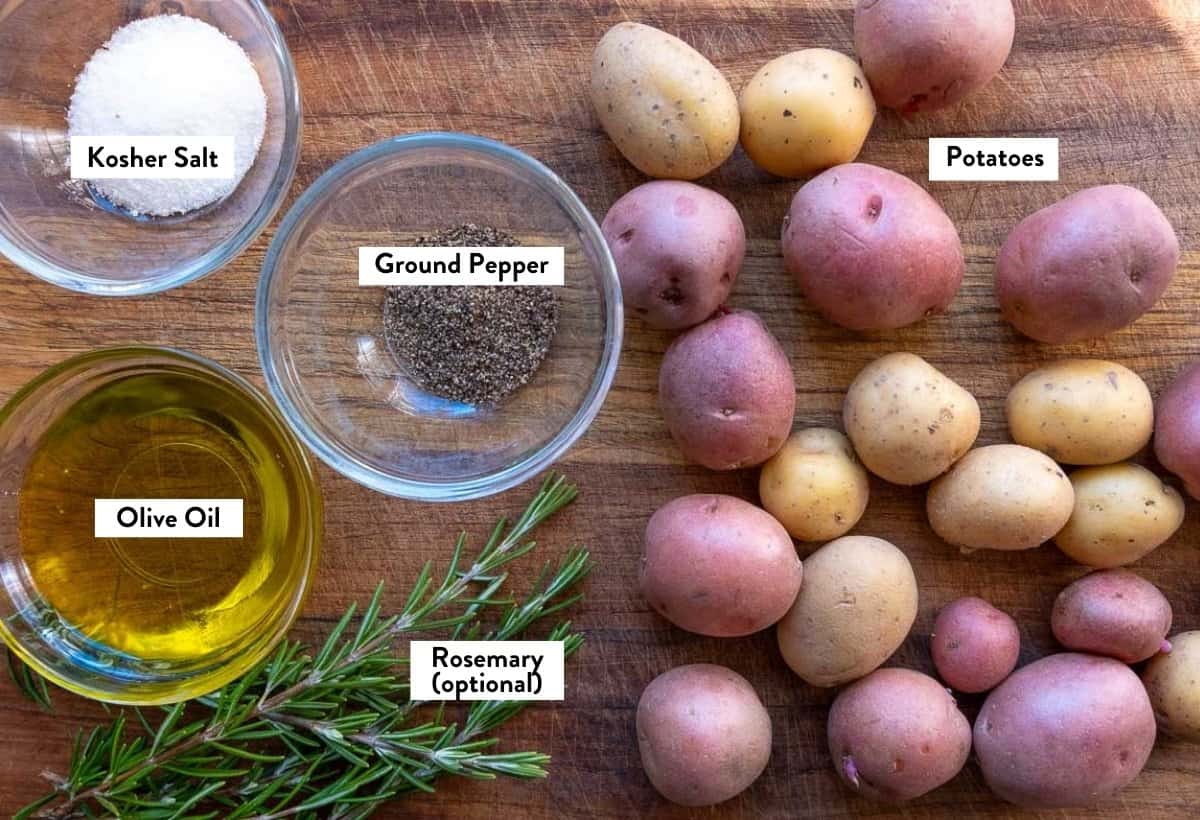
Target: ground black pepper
x=471, y=344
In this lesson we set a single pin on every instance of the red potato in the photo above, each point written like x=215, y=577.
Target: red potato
x=678, y=249
x=974, y=645
x=727, y=392
x=703, y=734
x=1086, y=266
x=1066, y=731
x=896, y=735
x=1177, y=429
x=870, y=249
x=921, y=55
x=718, y=565
x=1113, y=612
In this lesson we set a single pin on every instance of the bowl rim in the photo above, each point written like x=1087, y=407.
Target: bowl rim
x=144, y=694
x=341, y=460
x=220, y=255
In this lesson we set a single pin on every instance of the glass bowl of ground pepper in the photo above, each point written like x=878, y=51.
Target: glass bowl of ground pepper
x=439, y=392
x=151, y=86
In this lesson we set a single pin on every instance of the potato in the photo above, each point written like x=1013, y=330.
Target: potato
x=1066, y=731
x=815, y=486
x=703, y=734
x=896, y=735
x=1177, y=429
x=805, y=112
x=1121, y=513
x=870, y=249
x=1082, y=411
x=1003, y=497
x=907, y=420
x=727, y=393
x=1171, y=682
x=1113, y=612
x=974, y=645
x=922, y=56
x=667, y=108
x=718, y=565
x=855, y=607
x=1086, y=266
x=678, y=249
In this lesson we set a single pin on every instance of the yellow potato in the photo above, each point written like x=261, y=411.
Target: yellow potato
x=908, y=421
x=1122, y=512
x=1003, y=497
x=1082, y=411
x=855, y=607
x=667, y=108
x=815, y=486
x=1171, y=682
x=805, y=112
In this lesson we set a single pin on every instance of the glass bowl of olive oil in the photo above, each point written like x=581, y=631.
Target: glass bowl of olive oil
x=159, y=525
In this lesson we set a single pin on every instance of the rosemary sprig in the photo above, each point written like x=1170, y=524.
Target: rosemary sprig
x=331, y=733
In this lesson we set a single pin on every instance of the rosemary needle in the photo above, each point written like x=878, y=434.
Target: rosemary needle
x=30, y=684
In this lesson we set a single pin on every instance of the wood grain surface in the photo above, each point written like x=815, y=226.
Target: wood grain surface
x=1117, y=80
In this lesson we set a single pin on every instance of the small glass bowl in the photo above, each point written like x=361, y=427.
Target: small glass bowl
x=320, y=335
x=51, y=226
x=35, y=622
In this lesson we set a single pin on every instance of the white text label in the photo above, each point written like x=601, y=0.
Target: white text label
x=993, y=160
x=486, y=670
x=168, y=518
x=152, y=157
x=461, y=266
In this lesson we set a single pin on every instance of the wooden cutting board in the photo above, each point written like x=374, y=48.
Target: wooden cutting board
x=1117, y=80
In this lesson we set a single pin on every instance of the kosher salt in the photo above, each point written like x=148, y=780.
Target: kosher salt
x=170, y=76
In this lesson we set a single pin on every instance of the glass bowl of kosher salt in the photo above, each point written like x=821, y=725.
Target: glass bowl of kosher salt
x=439, y=317
x=143, y=145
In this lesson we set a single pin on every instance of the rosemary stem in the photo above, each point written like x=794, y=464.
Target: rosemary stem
x=66, y=809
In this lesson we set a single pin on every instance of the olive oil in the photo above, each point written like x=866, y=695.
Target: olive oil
x=181, y=605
